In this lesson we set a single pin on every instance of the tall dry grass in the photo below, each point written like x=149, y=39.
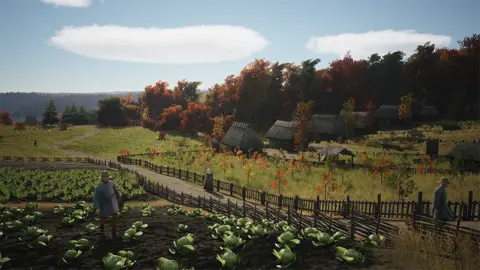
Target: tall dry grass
x=428, y=250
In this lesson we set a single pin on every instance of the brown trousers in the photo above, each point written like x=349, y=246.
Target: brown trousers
x=113, y=223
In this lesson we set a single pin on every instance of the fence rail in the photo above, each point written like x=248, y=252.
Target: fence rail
x=386, y=209
x=469, y=210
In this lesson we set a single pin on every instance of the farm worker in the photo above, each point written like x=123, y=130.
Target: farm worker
x=35, y=144
x=105, y=200
x=208, y=186
x=441, y=210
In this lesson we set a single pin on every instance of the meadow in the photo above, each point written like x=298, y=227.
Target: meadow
x=20, y=142
x=303, y=181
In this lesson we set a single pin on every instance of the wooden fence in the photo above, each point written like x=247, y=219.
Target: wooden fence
x=424, y=224
x=386, y=209
x=469, y=210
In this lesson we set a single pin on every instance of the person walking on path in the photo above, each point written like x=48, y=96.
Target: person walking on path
x=105, y=200
x=441, y=210
x=35, y=144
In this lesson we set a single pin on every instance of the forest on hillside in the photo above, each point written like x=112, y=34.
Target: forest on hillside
x=264, y=91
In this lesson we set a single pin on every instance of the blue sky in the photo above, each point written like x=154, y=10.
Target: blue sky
x=203, y=40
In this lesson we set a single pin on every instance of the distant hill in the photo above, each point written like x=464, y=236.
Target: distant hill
x=34, y=104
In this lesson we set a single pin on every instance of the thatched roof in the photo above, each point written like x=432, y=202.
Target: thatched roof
x=326, y=124
x=282, y=130
x=387, y=112
x=361, y=118
x=415, y=133
x=467, y=151
x=334, y=151
x=429, y=110
x=242, y=135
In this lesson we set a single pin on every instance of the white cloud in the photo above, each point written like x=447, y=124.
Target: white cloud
x=362, y=45
x=69, y=3
x=193, y=44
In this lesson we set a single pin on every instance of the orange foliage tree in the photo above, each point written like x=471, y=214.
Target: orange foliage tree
x=5, y=118
x=405, y=108
x=303, y=115
x=196, y=118
x=279, y=182
x=221, y=124
x=157, y=98
x=382, y=168
x=171, y=117
x=124, y=153
x=224, y=163
x=328, y=185
x=426, y=165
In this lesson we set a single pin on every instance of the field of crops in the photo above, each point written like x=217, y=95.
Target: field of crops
x=171, y=238
x=61, y=185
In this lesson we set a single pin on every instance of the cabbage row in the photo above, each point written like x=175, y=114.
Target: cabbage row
x=65, y=185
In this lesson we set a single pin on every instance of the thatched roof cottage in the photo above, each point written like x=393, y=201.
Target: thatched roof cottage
x=241, y=135
x=326, y=127
x=282, y=134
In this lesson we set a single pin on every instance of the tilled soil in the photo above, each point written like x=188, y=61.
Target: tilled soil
x=155, y=242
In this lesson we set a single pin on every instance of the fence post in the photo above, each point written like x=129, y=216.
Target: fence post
x=470, y=205
x=316, y=207
x=379, y=206
x=182, y=198
x=180, y=173
x=211, y=204
x=295, y=202
x=244, y=209
x=262, y=197
x=194, y=177
x=244, y=193
x=231, y=189
x=228, y=207
x=280, y=201
x=347, y=207
x=288, y=217
x=166, y=192
x=218, y=185
x=352, y=226
x=419, y=203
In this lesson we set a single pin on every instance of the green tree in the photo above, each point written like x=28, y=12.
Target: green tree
x=110, y=113
x=66, y=115
x=349, y=116
x=50, y=114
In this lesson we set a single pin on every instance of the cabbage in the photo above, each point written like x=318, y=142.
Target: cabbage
x=183, y=244
x=349, y=255
x=287, y=239
x=166, y=264
x=114, y=262
x=232, y=241
x=375, y=240
x=285, y=257
x=71, y=255
x=228, y=259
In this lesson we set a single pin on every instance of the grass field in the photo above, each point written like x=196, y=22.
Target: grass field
x=109, y=141
x=359, y=184
x=20, y=143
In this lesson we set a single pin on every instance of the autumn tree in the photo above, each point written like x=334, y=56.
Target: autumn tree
x=5, y=118
x=405, y=108
x=186, y=91
x=171, y=117
x=303, y=115
x=157, y=98
x=221, y=124
x=196, y=118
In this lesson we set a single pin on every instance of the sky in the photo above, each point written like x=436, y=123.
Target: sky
x=85, y=46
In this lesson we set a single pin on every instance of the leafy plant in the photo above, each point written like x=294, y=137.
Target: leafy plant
x=228, y=259
x=285, y=257
x=71, y=256
x=3, y=260
x=232, y=241
x=287, y=239
x=81, y=244
x=41, y=241
x=166, y=264
x=183, y=245
x=91, y=228
x=349, y=255
x=122, y=260
x=67, y=222
x=182, y=228
x=258, y=231
x=147, y=210
x=310, y=233
x=375, y=240
x=131, y=234
x=139, y=225
x=59, y=210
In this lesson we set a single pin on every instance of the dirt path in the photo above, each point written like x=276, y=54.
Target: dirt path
x=172, y=183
